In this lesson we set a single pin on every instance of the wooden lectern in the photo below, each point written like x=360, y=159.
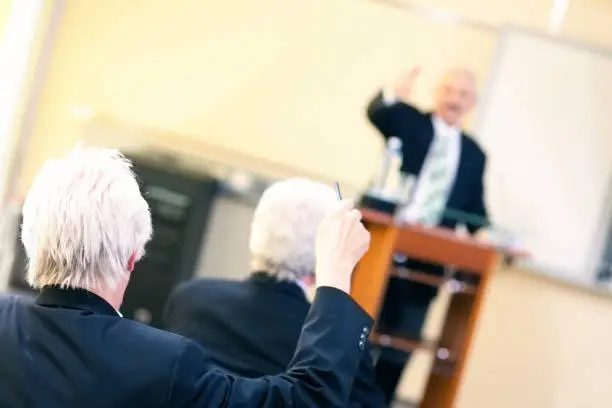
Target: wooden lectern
x=441, y=247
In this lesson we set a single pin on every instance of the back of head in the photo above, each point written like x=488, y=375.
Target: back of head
x=284, y=227
x=83, y=220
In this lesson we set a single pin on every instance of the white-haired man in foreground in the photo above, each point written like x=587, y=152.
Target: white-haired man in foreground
x=85, y=225
x=251, y=327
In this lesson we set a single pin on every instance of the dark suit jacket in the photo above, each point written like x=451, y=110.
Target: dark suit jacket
x=70, y=349
x=251, y=327
x=416, y=131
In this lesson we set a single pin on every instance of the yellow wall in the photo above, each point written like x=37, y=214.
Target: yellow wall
x=272, y=78
x=539, y=344
x=5, y=10
x=277, y=79
x=287, y=80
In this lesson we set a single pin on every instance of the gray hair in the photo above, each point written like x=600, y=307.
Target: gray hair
x=284, y=227
x=83, y=219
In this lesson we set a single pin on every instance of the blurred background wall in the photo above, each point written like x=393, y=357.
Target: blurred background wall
x=5, y=9
x=229, y=78
x=26, y=29
x=249, y=76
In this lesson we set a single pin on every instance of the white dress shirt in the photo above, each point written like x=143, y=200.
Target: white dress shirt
x=415, y=208
x=302, y=286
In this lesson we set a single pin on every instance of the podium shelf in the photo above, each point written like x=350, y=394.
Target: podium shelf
x=410, y=345
x=413, y=275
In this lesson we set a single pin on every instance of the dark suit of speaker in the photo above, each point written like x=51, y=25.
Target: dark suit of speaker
x=406, y=303
x=70, y=349
x=251, y=327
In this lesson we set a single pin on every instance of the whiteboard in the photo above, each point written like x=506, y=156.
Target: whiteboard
x=545, y=120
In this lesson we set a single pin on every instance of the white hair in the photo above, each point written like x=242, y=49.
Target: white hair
x=83, y=219
x=284, y=227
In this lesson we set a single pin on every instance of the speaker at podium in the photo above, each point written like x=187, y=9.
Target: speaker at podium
x=408, y=263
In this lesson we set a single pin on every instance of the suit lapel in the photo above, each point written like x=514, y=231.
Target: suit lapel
x=415, y=153
x=456, y=198
x=414, y=159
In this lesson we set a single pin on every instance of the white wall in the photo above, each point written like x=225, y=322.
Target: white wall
x=228, y=233
x=546, y=125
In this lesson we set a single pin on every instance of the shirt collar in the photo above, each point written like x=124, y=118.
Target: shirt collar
x=293, y=286
x=443, y=128
x=302, y=286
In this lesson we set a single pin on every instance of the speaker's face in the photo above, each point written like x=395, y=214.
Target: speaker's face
x=455, y=97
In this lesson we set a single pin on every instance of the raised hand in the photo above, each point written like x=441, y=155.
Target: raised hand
x=405, y=83
x=342, y=240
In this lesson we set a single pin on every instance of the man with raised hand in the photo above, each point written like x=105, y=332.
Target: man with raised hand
x=85, y=225
x=250, y=327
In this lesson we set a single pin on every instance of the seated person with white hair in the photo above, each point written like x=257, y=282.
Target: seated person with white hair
x=85, y=225
x=251, y=327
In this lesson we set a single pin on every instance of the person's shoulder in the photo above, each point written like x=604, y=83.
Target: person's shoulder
x=156, y=351
x=205, y=292
x=155, y=340
x=424, y=115
x=8, y=298
x=205, y=285
x=9, y=301
x=472, y=145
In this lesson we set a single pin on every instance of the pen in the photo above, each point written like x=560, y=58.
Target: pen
x=338, y=193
